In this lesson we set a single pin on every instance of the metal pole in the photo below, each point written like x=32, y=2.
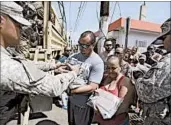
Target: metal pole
x=103, y=24
x=127, y=31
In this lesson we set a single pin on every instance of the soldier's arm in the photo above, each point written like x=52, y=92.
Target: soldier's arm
x=46, y=66
x=155, y=87
x=14, y=78
x=55, y=85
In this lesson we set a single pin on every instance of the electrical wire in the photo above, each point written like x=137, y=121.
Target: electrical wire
x=113, y=11
x=70, y=17
x=78, y=15
x=119, y=9
x=82, y=9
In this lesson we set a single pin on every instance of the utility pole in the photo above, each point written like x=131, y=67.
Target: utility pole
x=127, y=31
x=143, y=12
x=103, y=24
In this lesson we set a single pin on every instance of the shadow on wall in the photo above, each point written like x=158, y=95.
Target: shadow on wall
x=47, y=122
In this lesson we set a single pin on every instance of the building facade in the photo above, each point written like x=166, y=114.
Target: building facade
x=141, y=33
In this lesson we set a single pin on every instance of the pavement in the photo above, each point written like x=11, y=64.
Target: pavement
x=57, y=116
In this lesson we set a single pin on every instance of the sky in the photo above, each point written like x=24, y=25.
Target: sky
x=157, y=12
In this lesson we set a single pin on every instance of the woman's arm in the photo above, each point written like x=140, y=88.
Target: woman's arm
x=123, y=91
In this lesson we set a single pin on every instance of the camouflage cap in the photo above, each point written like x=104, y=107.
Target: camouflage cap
x=14, y=11
x=166, y=29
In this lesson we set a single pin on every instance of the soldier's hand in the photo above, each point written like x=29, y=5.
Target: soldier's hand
x=61, y=69
x=75, y=68
x=59, y=64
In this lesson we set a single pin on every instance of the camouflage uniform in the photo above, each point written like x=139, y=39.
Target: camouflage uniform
x=15, y=79
x=154, y=90
x=16, y=76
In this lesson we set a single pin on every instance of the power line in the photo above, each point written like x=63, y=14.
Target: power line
x=111, y=7
x=119, y=9
x=81, y=14
x=70, y=17
x=113, y=12
x=83, y=10
x=78, y=15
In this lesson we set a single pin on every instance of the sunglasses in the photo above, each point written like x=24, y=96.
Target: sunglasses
x=108, y=45
x=84, y=46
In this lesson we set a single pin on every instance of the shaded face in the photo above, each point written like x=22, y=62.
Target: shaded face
x=85, y=45
x=141, y=61
x=167, y=43
x=108, y=46
x=150, y=50
x=119, y=53
x=67, y=51
x=113, y=68
x=134, y=50
x=126, y=57
x=10, y=31
x=128, y=50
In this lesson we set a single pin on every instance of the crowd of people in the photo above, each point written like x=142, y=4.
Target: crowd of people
x=134, y=78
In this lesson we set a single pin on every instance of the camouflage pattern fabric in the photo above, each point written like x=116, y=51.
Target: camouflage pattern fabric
x=14, y=78
x=154, y=90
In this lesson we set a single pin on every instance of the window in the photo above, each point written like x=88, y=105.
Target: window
x=139, y=43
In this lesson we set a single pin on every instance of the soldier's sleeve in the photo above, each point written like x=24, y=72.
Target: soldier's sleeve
x=45, y=66
x=155, y=85
x=14, y=78
x=54, y=85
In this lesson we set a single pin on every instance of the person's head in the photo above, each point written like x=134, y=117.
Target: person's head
x=128, y=50
x=165, y=37
x=126, y=57
x=113, y=66
x=11, y=20
x=87, y=42
x=67, y=51
x=142, y=59
x=119, y=52
x=134, y=50
x=109, y=44
x=117, y=46
x=151, y=49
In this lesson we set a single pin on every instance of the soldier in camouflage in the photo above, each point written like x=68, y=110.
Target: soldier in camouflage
x=154, y=89
x=19, y=75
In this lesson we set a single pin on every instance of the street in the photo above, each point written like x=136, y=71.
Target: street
x=57, y=116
